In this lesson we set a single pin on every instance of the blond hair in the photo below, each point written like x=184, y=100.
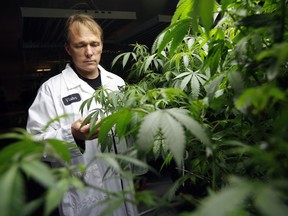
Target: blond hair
x=82, y=19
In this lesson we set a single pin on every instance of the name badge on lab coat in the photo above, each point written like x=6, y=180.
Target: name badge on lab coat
x=71, y=99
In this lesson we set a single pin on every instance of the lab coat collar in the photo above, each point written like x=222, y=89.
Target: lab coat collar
x=70, y=77
x=72, y=80
x=106, y=78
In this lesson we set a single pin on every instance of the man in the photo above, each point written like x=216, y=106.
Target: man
x=64, y=94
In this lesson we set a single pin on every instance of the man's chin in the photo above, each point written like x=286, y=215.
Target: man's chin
x=90, y=68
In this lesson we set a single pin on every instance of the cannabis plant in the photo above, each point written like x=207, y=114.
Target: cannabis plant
x=230, y=62
x=209, y=98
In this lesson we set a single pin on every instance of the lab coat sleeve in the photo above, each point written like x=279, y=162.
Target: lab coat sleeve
x=41, y=112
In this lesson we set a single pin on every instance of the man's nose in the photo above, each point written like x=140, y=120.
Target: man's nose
x=89, y=51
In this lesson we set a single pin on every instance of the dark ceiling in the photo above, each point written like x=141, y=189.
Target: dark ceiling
x=31, y=36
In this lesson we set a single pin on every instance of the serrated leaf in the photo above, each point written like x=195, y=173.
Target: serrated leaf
x=148, y=61
x=201, y=78
x=32, y=206
x=122, y=122
x=190, y=124
x=21, y=134
x=148, y=129
x=117, y=58
x=12, y=191
x=186, y=60
x=195, y=86
x=258, y=20
x=185, y=81
x=258, y=98
x=236, y=81
x=194, y=14
x=224, y=5
x=125, y=59
x=173, y=32
x=214, y=56
x=61, y=148
x=106, y=125
x=133, y=161
x=170, y=194
x=54, y=120
x=134, y=56
x=169, y=122
x=87, y=119
x=94, y=120
x=174, y=136
x=176, y=59
x=113, y=203
x=178, y=33
x=110, y=160
x=87, y=103
x=225, y=202
x=268, y=201
x=182, y=75
x=20, y=148
x=38, y=171
x=54, y=196
x=212, y=86
x=206, y=13
x=190, y=42
x=183, y=10
x=157, y=42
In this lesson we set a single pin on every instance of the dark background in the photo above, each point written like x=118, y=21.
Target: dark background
x=31, y=39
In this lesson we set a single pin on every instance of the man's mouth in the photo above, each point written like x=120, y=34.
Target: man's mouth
x=90, y=61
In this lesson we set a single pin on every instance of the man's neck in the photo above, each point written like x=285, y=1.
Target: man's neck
x=87, y=75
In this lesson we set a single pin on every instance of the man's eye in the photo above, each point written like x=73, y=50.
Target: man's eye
x=79, y=46
x=95, y=44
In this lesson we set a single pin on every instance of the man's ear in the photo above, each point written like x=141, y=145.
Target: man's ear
x=67, y=48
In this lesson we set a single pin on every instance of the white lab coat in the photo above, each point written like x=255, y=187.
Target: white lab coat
x=67, y=88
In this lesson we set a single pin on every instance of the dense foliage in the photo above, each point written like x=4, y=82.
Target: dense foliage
x=225, y=66
x=210, y=95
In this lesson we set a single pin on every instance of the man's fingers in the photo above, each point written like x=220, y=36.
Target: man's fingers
x=85, y=128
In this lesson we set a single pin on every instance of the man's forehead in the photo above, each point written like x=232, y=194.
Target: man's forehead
x=78, y=29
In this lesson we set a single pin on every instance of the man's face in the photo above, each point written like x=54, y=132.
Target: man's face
x=85, y=49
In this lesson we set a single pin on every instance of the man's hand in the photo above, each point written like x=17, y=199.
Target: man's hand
x=81, y=133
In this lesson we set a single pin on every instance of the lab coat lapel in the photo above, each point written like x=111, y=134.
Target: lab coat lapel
x=72, y=80
x=106, y=80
